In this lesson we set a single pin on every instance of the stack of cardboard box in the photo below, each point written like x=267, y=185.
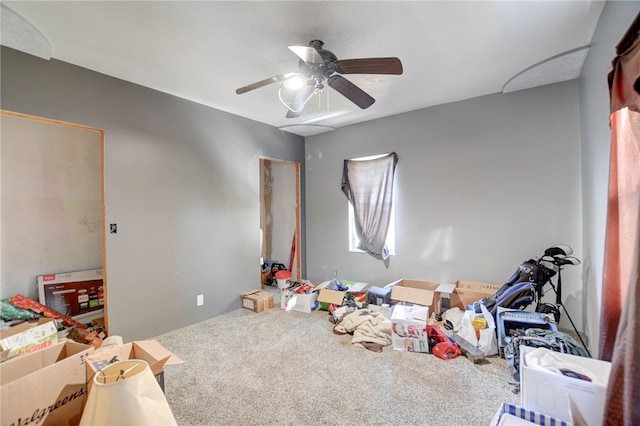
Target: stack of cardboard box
x=48, y=380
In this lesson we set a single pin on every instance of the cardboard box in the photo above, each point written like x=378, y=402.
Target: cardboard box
x=28, y=337
x=409, y=328
x=426, y=293
x=549, y=393
x=467, y=292
x=509, y=414
x=275, y=291
x=257, y=300
x=156, y=355
x=335, y=297
x=300, y=302
x=45, y=387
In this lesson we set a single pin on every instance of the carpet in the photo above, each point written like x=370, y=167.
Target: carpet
x=289, y=368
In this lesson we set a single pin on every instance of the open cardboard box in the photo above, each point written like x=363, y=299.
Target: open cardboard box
x=426, y=293
x=561, y=396
x=45, y=387
x=156, y=355
x=467, y=292
x=299, y=302
x=28, y=337
x=335, y=297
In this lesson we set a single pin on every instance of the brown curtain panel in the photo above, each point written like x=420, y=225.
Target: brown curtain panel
x=619, y=331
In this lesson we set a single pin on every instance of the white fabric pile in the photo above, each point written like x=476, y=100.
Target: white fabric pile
x=366, y=326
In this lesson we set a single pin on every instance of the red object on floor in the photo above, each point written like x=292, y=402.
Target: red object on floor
x=293, y=252
x=441, y=345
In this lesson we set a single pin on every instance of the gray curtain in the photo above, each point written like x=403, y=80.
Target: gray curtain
x=368, y=185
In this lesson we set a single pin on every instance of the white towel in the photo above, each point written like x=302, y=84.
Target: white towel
x=366, y=326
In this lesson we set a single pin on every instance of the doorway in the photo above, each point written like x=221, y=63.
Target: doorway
x=280, y=214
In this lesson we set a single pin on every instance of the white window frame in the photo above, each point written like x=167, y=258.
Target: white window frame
x=390, y=241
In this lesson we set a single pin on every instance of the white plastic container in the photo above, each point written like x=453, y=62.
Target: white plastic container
x=282, y=279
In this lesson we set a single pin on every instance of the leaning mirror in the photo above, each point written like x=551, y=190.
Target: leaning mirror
x=52, y=209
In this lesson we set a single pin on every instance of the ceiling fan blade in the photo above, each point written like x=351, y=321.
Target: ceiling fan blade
x=351, y=91
x=262, y=83
x=369, y=66
x=308, y=54
x=300, y=100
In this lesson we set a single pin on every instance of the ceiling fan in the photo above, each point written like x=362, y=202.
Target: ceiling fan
x=317, y=64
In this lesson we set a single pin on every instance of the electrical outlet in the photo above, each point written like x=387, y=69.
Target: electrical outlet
x=200, y=300
x=335, y=273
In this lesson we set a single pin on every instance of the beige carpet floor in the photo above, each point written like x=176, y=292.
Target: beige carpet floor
x=289, y=368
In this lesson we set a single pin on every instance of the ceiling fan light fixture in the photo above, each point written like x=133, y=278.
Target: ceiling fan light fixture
x=294, y=83
x=296, y=105
x=316, y=65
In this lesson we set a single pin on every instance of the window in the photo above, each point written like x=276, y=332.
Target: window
x=368, y=183
x=354, y=241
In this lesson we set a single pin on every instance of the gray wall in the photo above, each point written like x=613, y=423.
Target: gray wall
x=482, y=185
x=460, y=214
x=181, y=182
x=616, y=18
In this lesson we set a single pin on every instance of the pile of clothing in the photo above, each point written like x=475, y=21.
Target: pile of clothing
x=371, y=330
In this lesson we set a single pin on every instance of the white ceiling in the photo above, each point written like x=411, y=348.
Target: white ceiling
x=204, y=50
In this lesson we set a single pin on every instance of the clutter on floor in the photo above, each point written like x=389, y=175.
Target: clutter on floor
x=56, y=359
x=409, y=328
x=442, y=345
x=562, y=385
x=513, y=415
x=23, y=302
x=367, y=328
x=28, y=325
x=473, y=319
x=269, y=270
x=257, y=300
x=64, y=358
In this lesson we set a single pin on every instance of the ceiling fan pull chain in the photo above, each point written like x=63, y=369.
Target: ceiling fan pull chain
x=328, y=101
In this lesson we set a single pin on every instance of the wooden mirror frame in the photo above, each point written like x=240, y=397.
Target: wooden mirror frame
x=102, y=203
x=297, y=262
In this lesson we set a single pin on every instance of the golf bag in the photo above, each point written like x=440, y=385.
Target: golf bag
x=523, y=288
x=526, y=286
x=517, y=296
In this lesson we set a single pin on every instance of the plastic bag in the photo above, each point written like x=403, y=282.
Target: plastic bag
x=486, y=340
